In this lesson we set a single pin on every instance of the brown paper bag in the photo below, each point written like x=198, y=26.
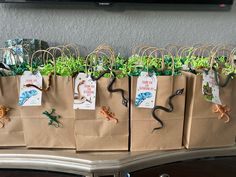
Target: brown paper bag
x=93, y=129
x=38, y=133
x=93, y=132
x=203, y=129
x=11, y=133
x=169, y=135
x=142, y=123
x=37, y=129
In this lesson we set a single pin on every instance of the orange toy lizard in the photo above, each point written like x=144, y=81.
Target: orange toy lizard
x=223, y=110
x=105, y=111
x=3, y=118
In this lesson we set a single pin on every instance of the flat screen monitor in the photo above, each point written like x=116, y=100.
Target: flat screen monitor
x=210, y=2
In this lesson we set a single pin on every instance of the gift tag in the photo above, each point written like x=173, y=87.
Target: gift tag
x=85, y=92
x=185, y=67
x=30, y=96
x=146, y=91
x=210, y=89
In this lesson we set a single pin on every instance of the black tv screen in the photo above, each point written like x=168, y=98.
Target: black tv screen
x=226, y=2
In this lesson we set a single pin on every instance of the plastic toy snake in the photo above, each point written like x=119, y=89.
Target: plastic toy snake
x=53, y=119
x=109, y=87
x=80, y=97
x=170, y=109
x=224, y=84
x=41, y=89
x=223, y=110
x=3, y=118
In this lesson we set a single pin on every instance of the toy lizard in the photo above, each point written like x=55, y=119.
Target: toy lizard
x=53, y=118
x=3, y=118
x=223, y=110
x=105, y=111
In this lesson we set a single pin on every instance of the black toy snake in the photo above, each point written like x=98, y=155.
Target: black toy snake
x=109, y=87
x=170, y=109
x=218, y=80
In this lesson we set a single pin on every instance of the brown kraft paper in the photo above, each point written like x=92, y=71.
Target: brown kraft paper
x=142, y=122
x=203, y=129
x=12, y=132
x=93, y=132
x=38, y=134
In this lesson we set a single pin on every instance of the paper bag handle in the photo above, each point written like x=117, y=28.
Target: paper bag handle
x=68, y=48
x=102, y=49
x=162, y=52
x=50, y=75
x=216, y=75
x=173, y=49
x=139, y=49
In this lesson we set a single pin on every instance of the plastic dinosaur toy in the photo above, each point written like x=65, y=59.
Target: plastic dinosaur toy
x=223, y=110
x=105, y=111
x=3, y=118
x=53, y=118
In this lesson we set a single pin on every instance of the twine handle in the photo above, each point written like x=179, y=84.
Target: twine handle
x=103, y=50
x=231, y=58
x=173, y=48
x=138, y=49
x=184, y=50
x=155, y=51
x=162, y=51
x=68, y=47
x=147, y=51
x=213, y=56
x=43, y=51
x=53, y=49
x=50, y=75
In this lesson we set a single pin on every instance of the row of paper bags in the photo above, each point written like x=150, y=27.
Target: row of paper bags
x=192, y=123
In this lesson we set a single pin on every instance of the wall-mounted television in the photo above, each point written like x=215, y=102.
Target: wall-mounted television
x=210, y=2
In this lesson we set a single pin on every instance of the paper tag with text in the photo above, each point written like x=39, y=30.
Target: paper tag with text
x=30, y=96
x=146, y=91
x=210, y=89
x=84, y=92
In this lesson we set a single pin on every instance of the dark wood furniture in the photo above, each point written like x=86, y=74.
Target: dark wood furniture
x=211, y=167
x=219, y=162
